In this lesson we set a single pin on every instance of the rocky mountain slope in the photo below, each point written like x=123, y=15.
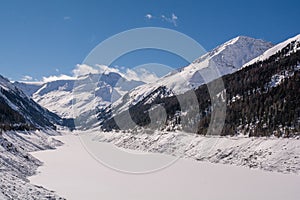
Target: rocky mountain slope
x=226, y=58
x=261, y=99
x=71, y=98
x=24, y=126
x=18, y=111
x=262, y=123
x=16, y=164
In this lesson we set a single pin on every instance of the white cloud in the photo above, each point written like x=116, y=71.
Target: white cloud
x=120, y=67
x=55, y=78
x=103, y=69
x=147, y=76
x=131, y=75
x=27, y=78
x=173, y=19
x=83, y=69
x=149, y=16
x=138, y=74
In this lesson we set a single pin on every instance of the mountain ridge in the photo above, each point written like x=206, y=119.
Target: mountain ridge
x=21, y=112
x=59, y=96
x=247, y=90
x=275, y=49
x=227, y=58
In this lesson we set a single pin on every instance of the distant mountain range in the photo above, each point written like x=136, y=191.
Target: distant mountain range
x=58, y=96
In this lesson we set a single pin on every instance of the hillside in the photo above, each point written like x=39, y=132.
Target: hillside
x=226, y=58
x=19, y=112
x=262, y=99
x=71, y=98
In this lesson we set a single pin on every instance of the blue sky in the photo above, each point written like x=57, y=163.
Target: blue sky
x=43, y=38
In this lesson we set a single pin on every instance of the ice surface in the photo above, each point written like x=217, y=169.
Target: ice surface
x=16, y=164
x=74, y=174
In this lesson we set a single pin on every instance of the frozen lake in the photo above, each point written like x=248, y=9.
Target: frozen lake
x=74, y=174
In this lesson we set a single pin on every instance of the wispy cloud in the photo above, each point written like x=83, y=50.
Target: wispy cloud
x=83, y=69
x=170, y=19
x=141, y=74
x=173, y=19
x=138, y=74
x=27, y=78
x=66, y=18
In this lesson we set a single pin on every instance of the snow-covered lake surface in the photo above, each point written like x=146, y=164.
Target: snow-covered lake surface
x=74, y=174
x=2, y=196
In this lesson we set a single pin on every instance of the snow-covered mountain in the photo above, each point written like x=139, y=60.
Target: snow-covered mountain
x=73, y=97
x=261, y=99
x=227, y=58
x=293, y=42
x=262, y=116
x=25, y=126
x=29, y=88
x=18, y=111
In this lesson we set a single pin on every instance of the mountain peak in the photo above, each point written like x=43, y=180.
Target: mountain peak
x=227, y=58
x=6, y=84
x=236, y=52
x=237, y=39
x=242, y=39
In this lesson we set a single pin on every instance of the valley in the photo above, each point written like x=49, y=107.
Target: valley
x=85, y=137
x=82, y=177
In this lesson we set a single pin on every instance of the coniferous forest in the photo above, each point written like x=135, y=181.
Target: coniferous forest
x=261, y=100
